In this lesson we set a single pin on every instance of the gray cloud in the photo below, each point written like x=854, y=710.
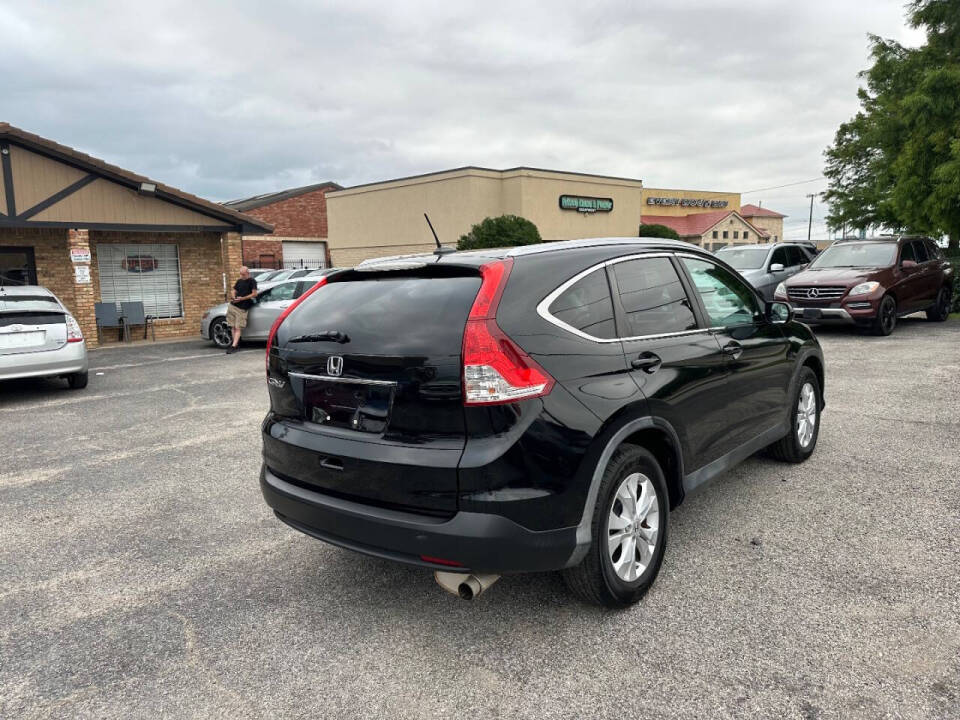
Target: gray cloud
x=232, y=99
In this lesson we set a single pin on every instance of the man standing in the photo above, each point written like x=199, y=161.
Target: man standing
x=241, y=300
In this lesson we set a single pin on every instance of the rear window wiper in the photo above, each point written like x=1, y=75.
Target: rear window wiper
x=327, y=336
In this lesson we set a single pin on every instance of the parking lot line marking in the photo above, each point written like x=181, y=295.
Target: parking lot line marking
x=161, y=360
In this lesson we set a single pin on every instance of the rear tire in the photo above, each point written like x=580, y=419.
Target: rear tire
x=886, y=319
x=628, y=542
x=798, y=444
x=220, y=333
x=78, y=381
x=941, y=308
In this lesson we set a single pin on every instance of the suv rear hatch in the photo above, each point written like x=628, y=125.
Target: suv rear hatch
x=31, y=323
x=365, y=387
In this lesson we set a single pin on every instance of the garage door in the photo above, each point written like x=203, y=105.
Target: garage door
x=304, y=254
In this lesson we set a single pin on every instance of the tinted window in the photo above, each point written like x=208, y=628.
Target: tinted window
x=908, y=253
x=780, y=256
x=393, y=315
x=586, y=306
x=920, y=250
x=653, y=297
x=933, y=250
x=795, y=256
x=727, y=300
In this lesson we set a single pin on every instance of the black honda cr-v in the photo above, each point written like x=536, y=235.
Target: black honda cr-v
x=529, y=409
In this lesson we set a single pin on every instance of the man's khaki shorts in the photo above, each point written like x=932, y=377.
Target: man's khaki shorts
x=236, y=318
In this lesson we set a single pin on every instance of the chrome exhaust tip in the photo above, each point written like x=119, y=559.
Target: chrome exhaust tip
x=465, y=585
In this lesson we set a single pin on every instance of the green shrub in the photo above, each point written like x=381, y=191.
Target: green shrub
x=658, y=231
x=503, y=231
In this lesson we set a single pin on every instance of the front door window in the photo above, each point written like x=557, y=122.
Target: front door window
x=727, y=300
x=17, y=266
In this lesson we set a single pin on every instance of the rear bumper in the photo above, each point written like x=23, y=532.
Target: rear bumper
x=69, y=359
x=478, y=542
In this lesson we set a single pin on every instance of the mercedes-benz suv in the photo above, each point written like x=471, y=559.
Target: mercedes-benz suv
x=872, y=282
x=529, y=409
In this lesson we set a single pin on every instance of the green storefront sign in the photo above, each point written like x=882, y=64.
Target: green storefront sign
x=585, y=204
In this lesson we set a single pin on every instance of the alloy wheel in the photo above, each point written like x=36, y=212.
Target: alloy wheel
x=888, y=315
x=633, y=526
x=221, y=334
x=806, y=415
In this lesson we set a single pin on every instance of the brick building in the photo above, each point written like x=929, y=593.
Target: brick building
x=299, y=220
x=92, y=232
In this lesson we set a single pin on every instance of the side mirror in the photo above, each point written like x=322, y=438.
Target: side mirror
x=779, y=312
x=776, y=267
x=907, y=264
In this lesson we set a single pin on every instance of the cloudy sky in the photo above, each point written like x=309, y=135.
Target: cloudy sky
x=232, y=99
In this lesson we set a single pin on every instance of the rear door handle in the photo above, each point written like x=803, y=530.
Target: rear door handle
x=733, y=349
x=648, y=362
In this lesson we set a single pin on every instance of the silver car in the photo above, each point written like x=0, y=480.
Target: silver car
x=766, y=266
x=272, y=299
x=39, y=337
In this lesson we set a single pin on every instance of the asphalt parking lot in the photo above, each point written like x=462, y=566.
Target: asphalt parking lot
x=141, y=574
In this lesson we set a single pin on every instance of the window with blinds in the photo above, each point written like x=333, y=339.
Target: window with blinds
x=148, y=273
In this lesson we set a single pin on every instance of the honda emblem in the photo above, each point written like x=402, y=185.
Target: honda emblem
x=334, y=366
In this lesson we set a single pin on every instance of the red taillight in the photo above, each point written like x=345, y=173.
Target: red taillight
x=73, y=330
x=495, y=370
x=283, y=316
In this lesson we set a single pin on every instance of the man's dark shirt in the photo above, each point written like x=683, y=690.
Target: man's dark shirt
x=244, y=286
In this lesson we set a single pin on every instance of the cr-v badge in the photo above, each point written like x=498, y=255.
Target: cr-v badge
x=334, y=366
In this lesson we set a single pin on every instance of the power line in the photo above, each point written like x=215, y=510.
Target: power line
x=777, y=187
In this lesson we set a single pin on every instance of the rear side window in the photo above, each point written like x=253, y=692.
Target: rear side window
x=653, y=297
x=586, y=306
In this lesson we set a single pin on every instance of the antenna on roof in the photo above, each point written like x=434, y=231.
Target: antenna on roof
x=441, y=250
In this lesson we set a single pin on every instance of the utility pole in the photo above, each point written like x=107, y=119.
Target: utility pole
x=810, y=222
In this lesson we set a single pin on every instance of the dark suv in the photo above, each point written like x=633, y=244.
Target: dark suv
x=872, y=282
x=540, y=408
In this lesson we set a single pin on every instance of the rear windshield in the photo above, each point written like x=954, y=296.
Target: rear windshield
x=29, y=303
x=390, y=315
x=744, y=258
x=849, y=255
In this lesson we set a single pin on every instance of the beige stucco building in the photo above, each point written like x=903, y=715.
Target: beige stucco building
x=386, y=218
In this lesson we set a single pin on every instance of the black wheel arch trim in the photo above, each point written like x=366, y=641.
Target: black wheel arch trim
x=626, y=428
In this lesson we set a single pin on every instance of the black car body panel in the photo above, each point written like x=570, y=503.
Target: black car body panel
x=419, y=475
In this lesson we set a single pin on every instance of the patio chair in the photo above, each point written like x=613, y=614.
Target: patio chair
x=107, y=317
x=133, y=314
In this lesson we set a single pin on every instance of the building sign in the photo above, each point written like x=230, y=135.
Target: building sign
x=687, y=202
x=82, y=274
x=585, y=204
x=80, y=255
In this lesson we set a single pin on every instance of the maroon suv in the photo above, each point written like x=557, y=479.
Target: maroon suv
x=871, y=283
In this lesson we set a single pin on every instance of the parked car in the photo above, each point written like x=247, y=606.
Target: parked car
x=260, y=273
x=528, y=409
x=766, y=266
x=873, y=282
x=39, y=337
x=272, y=299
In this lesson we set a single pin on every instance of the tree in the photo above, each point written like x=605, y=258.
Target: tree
x=502, y=231
x=896, y=163
x=658, y=231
